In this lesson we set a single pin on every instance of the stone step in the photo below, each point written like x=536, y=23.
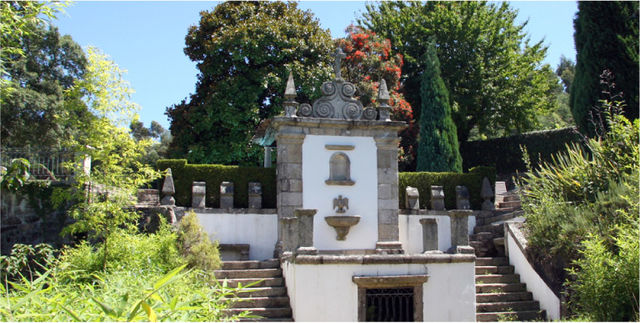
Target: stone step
x=250, y=302
x=500, y=288
x=484, y=270
x=260, y=282
x=503, y=217
x=265, y=312
x=510, y=197
x=248, y=273
x=262, y=292
x=507, y=306
x=251, y=264
x=514, y=204
x=488, y=279
x=496, y=228
x=503, y=297
x=480, y=236
x=510, y=316
x=492, y=261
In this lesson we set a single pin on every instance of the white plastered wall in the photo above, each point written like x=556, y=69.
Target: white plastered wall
x=327, y=292
x=257, y=230
x=363, y=195
x=410, y=231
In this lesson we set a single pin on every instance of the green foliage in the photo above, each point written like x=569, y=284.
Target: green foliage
x=424, y=180
x=101, y=197
x=494, y=75
x=582, y=208
x=505, y=153
x=606, y=38
x=160, y=147
x=145, y=281
x=438, y=142
x=36, y=73
x=195, y=246
x=15, y=175
x=566, y=71
x=185, y=174
x=244, y=52
x=26, y=261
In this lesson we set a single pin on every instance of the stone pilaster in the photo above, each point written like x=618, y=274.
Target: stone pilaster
x=305, y=231
x=429, y=234
x=460, y=230
x=289, y=233
x=289, y=179
x=387, y=155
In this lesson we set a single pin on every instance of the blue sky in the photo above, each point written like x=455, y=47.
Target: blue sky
x=147, y=39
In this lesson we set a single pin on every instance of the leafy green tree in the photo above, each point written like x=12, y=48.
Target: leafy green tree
x=438, y=142
x=606, y=38
x=102, y=196
x=158, y=134
x=492, y=72
x=244, y=52
x=37, y=75
x=566, y=71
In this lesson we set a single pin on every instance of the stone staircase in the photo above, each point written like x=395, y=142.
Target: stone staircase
x=267, y=299
x=499, y=293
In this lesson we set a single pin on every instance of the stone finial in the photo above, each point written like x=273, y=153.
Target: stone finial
x=226, y=195
x=255, y=195
x=437, y=198
x=339, y=55
x=290, y=105
x=487, y=193
x=462, y=198
x=412, y=198
x=384, y=109
x=290, y=91
x=198, y=194
x=168, y=189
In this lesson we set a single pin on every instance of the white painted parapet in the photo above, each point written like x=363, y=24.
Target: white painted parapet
x=322, y=288
x=411, y=234
x=516, y=244
x=257, y=228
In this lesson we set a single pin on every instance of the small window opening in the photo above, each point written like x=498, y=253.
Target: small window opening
x=389, y=305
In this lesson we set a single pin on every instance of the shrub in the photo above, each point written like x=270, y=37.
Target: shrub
x=185, y=174
x=424, y=180
x=581, y=212
x=505, y=153
x=195, y=246
x=26, y=261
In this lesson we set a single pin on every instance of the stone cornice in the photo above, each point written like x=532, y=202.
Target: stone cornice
x=384, y=259
x=389, y=281
x=396, y=126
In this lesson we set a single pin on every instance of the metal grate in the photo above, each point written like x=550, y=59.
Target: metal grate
x=389, y=304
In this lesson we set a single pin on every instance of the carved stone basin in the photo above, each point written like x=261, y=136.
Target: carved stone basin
x=342, y=224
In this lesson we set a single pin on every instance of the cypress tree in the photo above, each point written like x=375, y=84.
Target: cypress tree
x=438, y=149
x=606, y=37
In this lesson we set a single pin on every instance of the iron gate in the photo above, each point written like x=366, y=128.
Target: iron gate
x=389, y=304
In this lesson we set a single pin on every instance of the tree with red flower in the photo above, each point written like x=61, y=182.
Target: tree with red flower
x=369, y=59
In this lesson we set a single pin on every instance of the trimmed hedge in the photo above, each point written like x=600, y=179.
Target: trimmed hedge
x=424, y=180
x=505, y=155
x=185, y=174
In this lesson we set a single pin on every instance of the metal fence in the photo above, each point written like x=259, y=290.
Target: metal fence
x=45, y=164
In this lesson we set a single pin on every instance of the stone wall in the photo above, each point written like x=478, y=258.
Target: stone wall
x=27, y=217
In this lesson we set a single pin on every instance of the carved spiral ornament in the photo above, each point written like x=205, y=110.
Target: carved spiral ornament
x=328, y=88
x=324, y=110
x=369, y=114
x=348, y=89
x=305, y=110
x=351, y=111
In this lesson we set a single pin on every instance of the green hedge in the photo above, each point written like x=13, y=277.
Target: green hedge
x=424, y=180
x=185, y=174
x=505, y=154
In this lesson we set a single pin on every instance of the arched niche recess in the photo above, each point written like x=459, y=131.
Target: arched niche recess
x=339, y=170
